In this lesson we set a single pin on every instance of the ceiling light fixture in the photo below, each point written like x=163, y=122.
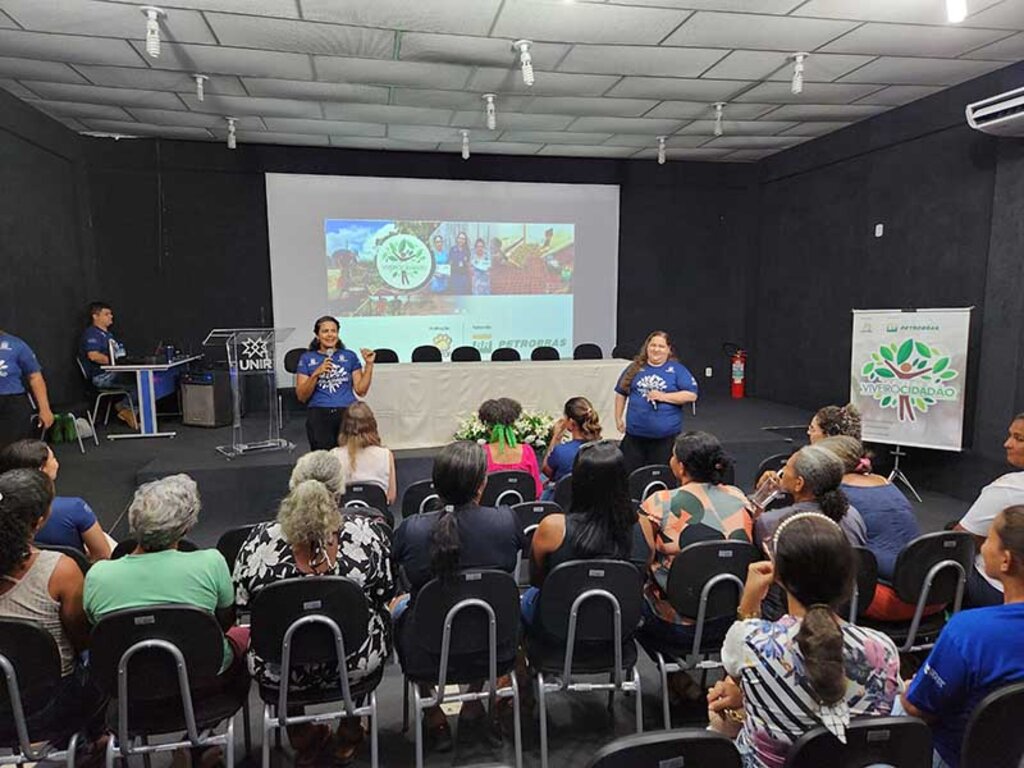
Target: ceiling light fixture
x=490, y=111
x=465, y=144
x=719, y=107
x=523, y=46
x=661, y=150
x=153, y=16
x=232, y=139
x=956, y=11
x=200, y=90
x=797, y=85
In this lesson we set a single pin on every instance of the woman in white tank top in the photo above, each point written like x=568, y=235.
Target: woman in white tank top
x=365, y=460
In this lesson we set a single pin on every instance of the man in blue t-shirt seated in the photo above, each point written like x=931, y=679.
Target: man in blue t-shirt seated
x=95, y=349
x=979, y=650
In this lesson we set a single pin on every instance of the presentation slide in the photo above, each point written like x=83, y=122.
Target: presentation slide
x=405, y=262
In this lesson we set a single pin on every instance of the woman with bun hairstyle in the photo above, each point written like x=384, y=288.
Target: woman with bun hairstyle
x=810, y=668
x=504, y=451
x=581, y=421
x=328, y=380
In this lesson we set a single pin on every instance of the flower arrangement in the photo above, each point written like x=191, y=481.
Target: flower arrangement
x=532, y=427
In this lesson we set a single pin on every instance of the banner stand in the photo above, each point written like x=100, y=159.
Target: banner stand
x=898, y=474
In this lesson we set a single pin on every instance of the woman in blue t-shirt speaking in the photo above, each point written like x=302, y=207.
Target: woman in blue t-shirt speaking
x=652, y=391
x=328, y=380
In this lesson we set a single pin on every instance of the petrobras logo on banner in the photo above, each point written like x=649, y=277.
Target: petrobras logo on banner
x=255, y=356
x=909, y=376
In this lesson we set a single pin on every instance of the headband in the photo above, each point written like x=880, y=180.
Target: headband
x=799, y=516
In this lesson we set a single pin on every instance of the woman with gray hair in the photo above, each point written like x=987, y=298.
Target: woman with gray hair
x=156, y=572
x=313, y=537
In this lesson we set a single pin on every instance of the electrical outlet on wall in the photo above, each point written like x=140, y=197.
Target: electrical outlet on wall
x=707, y=372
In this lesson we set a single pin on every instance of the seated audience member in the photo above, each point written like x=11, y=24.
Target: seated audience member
x=45, y=589
x=71, y=522
x=810, y=668
x=601, y=523
x=311, y=536
x=364, y=458
x=978, y=650
x=94, y=350
x=504, y=451
x=888, y=519
x=1003, y=492
x=160, y=514
x=702, y=508
x=583, y=425
x=438, y=544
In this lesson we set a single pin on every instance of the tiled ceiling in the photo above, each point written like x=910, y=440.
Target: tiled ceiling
x=611, y=76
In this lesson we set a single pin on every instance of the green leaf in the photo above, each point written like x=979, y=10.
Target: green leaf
x=885, y=373
x=875, y=357
x=886, y=401
x=887, y=353
x=919, y=403
x=923, y=349
x=921, y=364
x=866, y=370
x=906, y=348
x=940, y=364
x=947, y=375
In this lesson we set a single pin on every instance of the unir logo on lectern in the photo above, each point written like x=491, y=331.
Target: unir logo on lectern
x=255, y=356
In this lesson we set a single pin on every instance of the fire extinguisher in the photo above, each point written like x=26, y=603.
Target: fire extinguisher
x=738, y=360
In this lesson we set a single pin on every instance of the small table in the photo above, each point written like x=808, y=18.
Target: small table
x=144, y=379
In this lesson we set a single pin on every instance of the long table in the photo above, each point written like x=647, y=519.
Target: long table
x=420, y=405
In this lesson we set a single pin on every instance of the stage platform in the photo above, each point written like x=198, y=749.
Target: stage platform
x=248, y=489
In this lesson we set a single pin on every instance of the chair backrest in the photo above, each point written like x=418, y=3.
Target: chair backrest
x=993, y=737
x=544, y=353
x=587, y=352
x=595, y=619
x=420, y=497
x=32, y=653
x=365, y=495
x=512, y=487
x=530, y=513
x=127, y=546
x=291, y=359
x=563, y=492
x=152, y=672
x=75, y=554
x=470, y=627
x=905, y=742
x=505, y=354
x=465, y=354
x=427, y=353
x=278, y=606
x=385, y=355
x=231, y=541
x=624, y=351
x=669, y=749
x=698, y=564
x=923, y=554
x=772, y=463
x=650, y=479
x=867, y=583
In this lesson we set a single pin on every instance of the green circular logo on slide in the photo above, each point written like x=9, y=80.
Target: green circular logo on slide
x=404, y=262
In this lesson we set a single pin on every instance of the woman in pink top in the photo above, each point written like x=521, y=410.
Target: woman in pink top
x=504, y=451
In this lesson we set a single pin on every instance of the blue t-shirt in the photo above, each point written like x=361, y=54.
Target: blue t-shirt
x=643, y=419
x=561, y=458
x=70, y=517
x=889, y=519
x=442, y=271
x=95, y=339
x=978, y=651
x=17, y=361
x=334, y=389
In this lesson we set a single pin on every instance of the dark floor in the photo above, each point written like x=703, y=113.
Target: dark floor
x=247, y=490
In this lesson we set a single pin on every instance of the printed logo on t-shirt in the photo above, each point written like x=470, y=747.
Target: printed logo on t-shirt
x=649, y=383
x=5, y=345
x=333, y=381
x=3, y=369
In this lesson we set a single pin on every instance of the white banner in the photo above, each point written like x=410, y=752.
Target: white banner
x=907, y=375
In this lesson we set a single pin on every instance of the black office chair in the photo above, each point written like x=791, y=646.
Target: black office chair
x=462, y=631
x=624, y=351
x=368, y=497
x=704, y=586
x=306, y=621
x=420, y=497
x=587, y=613
x=587, y=352
x=160, y=664
x=529, y=514
x=863, y=587
x=291, y=359
x=75, y=554
x=772, y=463
x=465, y=355
x=127, y=546
x=98, y=395
x=426, y=353
x=669, y=749
x=901, y=741
x=545, y=353
x=563, y=492
x=509, y=488
x=651, y=479
x=30, y=666
x=385, y=355
x=505, y=355
x=931, y=569
x=993, y=737
x=230, y=543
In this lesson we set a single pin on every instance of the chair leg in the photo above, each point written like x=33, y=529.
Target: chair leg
x=516, y=722
x=78, y=436
x=246, y=727
x=265, y=741
x=611, y=694
x=418, y=725
x=72, y=748
x=639, y=702
x=405, y=705
x=108, y=757
x=147, y=759
x=229, y=747
x=543, y=718
x=106, y=419
x=374, y=758
x=666, y=713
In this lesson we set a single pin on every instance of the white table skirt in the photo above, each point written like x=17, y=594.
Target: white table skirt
x=420, y=405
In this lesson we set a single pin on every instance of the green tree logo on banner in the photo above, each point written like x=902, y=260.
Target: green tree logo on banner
x=908, y=376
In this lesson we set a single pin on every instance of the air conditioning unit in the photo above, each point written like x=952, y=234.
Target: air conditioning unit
x=1001, y=115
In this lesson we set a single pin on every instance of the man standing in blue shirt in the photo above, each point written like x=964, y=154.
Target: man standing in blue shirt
x=18, y=366
x=95, y=350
